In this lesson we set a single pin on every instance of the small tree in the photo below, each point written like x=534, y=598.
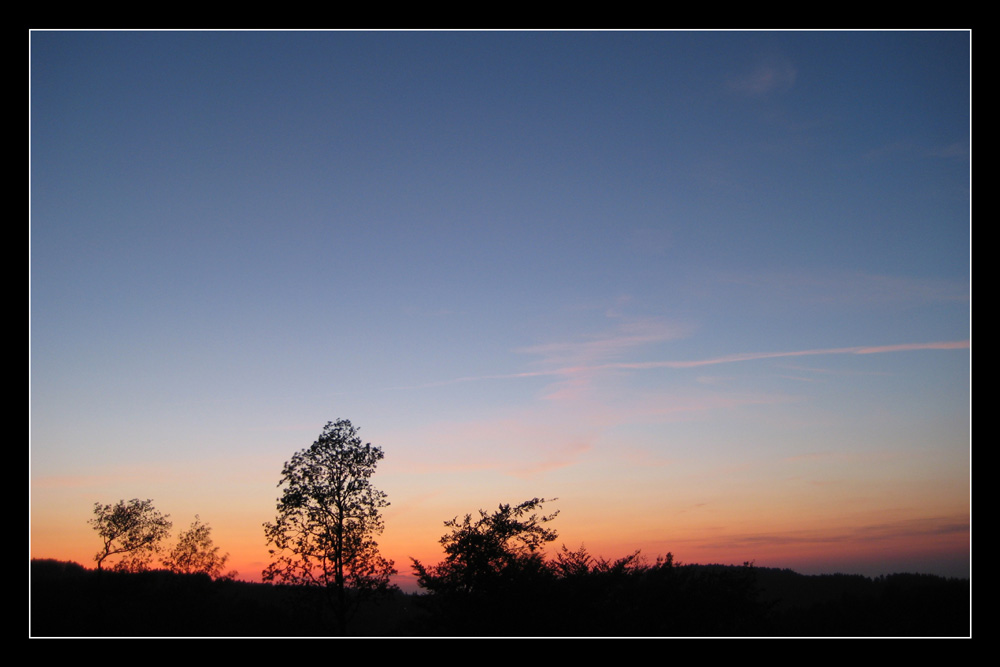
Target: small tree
x=328, y=517
x=133, y=530
x=196, y=552
x=494, y=551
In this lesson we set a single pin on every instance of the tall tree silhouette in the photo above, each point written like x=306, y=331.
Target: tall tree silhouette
x=329, y=515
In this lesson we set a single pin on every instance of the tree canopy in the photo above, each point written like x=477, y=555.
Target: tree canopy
x=493, y=550
x=329, y=515
x=196, y=552
x=132, y=530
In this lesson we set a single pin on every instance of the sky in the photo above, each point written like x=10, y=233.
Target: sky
x=710, y=291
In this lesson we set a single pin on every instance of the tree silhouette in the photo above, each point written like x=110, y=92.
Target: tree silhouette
x=328, y=518
x=196, y=552
x=133, y=530
x=492, y=551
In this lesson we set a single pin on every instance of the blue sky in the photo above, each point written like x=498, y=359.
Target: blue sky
x=505, y=257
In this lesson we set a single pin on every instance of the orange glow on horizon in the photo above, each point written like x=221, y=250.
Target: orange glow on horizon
x=815, y=550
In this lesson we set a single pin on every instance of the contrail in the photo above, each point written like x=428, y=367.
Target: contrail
x=751, y=356
x=729, y=359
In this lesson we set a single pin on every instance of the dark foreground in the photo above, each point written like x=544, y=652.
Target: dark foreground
x=68, y=600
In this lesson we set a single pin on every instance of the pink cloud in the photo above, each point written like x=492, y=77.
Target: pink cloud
x=626, y=337
x=577, y=362
x=576, y=380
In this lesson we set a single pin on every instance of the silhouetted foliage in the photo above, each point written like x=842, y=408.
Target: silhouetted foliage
x=132, y=530
x=491, y=551
x=569, y=564
x=328, y=518
x=600, y=596
x=196, y=552
x=494, y=570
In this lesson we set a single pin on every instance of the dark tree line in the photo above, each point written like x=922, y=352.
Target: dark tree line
x=495, y=580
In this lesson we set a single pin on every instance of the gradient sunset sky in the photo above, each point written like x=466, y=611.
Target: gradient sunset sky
x=708, y=289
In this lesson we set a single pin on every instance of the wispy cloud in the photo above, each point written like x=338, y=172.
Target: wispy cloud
x=894, y=530
x=626, y=337
x=559, y=351
x=577, y=362
x=754, y=356
x=564, y=429
x=767, y=76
